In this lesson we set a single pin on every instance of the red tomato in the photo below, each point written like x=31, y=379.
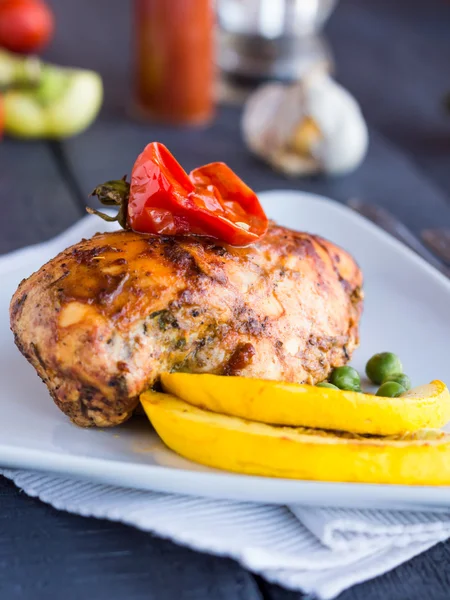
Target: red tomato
x=211, y=201
x=25, y=25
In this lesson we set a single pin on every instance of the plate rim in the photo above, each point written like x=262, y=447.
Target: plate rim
x=72, y=466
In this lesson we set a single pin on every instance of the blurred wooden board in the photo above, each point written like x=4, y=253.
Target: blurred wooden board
x=36, y=202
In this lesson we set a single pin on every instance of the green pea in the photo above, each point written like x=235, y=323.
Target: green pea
x=325, y=384
x=380, y=366
x=346, y=378
x=390, y=389
x=400, y=378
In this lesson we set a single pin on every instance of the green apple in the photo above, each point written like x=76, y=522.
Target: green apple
x=64, y=103
x=46, y=101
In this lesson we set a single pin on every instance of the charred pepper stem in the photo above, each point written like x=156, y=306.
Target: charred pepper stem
x=113, y=193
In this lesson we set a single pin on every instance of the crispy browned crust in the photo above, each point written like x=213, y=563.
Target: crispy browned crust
x=103, y=319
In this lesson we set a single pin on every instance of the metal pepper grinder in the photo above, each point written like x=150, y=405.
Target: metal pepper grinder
x=260, y=40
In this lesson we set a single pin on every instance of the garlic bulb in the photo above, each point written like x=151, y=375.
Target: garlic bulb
x=311, y=126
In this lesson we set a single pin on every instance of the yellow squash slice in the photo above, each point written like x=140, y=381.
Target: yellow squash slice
x=279, y=403
x=234, y=444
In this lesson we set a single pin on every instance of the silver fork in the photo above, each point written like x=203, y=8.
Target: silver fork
x=391, y=224
x=439, y=241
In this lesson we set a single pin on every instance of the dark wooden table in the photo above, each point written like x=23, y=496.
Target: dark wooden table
x=395, y=57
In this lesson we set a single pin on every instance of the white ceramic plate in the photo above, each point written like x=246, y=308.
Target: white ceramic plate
x=407, y=311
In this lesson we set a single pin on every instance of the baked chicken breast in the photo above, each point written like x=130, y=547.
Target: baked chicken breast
x=102, y=320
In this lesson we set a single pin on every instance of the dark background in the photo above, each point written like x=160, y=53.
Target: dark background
x=395, y=57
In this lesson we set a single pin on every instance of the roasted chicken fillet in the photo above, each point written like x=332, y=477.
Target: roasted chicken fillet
x=102, y=320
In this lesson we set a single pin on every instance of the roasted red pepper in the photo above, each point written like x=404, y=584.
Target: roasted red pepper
x=230, y=207
x=163, y=199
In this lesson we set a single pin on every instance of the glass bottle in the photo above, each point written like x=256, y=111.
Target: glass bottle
x=174, y=61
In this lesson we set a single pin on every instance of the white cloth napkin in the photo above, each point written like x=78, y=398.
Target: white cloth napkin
x=318, y=551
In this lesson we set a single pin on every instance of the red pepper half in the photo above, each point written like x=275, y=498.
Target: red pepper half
x=163, y=199
x=231, y=209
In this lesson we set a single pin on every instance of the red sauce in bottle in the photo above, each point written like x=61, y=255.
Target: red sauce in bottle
x=174, y=60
